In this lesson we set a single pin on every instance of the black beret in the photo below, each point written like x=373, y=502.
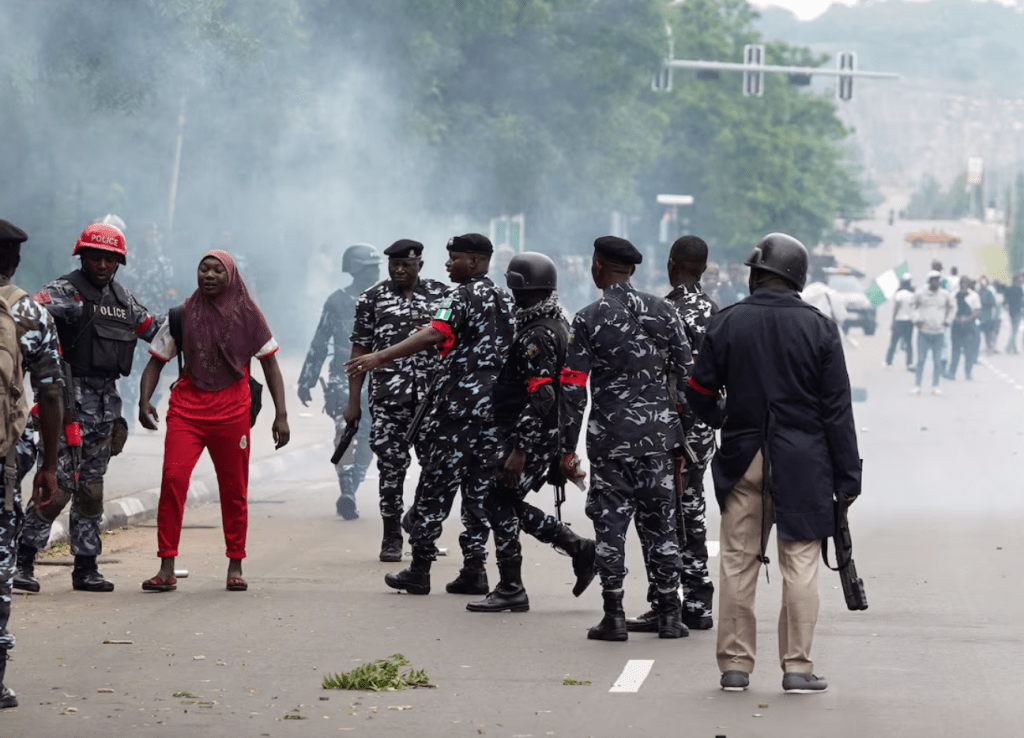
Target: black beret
x=10, y=233
x=404, y=248
x=471, y=243
x=617, y=250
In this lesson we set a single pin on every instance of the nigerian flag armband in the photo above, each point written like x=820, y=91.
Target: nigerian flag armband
x=444, y=314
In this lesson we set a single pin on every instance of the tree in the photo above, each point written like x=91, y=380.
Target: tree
x=1015, y=236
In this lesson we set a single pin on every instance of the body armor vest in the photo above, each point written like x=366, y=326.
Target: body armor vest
x=101, y=343
x=510, y=390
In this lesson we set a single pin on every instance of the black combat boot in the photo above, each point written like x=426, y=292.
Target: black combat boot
x=346, y=507
x=584, y=555
x=613, y=626
x=391, y=544
x=670, y=616
x=25, y=573
x=648, y=622
x=509, y=594
x=7, y=696
x=472, y=580
x=87, y=578
x=415, y=580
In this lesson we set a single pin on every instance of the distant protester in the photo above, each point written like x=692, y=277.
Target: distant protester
x=221, y=330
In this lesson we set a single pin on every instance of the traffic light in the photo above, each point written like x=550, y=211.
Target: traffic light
x=847, y=61
x=662, y=80
x=753, y=82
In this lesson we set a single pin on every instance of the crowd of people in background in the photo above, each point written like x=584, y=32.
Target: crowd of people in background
x=954, y=316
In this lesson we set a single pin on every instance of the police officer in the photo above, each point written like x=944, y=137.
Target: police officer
x=473, y=329
x=526, y=411
x=362, y=261
x=40, y=355
x=789, y=446
x=632, y=348
x=687, y=261
x=98, y=322
x=386, y=314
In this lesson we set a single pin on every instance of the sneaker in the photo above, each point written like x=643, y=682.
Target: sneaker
x=936, y=391
x=794, y=682
x=735, y=680
x=915, y=391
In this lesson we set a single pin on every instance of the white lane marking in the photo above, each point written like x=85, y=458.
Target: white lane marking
x=713, y=548
x=633, y=675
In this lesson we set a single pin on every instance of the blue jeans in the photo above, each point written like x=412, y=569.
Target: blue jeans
x=929, y=342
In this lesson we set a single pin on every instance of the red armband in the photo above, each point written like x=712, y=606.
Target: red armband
x=141, y=328
x=449, y=338
x=42, y=297
x=534, y=382
x=700, y=389
x=73, y=434
x=35, y=410
x=572, y=376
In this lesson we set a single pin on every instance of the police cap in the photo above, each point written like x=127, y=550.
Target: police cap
x=10, y=233
x=617, y=250
x=471, y=243
x=404, y=248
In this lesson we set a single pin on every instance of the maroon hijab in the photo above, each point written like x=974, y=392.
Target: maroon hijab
x=222, y=334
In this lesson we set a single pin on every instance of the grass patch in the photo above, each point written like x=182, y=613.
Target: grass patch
x=186, y=694
x=567, y=682
x=382, y=675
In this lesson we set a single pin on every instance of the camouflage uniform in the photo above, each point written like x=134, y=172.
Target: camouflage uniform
x=459, y=435
x=530, y=422
x=383, y=317
x=696, y=309
x=627, y=343
x=335, y=328
x=40, y=353
x=97, y=404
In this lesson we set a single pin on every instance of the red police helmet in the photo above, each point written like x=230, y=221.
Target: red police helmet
x=104, y=237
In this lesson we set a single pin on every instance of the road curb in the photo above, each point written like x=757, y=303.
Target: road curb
x=141, y=506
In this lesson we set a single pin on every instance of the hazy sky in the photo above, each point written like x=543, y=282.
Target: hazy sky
x=807, y=9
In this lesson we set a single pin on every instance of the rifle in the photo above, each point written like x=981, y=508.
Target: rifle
x=853, y=586
x=345, y=441
x=421, y=410
x=72, y=428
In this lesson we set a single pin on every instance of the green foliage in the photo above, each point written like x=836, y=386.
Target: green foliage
x=382, y=675
x=573, y=682
x=754, y=165
x=930, y=202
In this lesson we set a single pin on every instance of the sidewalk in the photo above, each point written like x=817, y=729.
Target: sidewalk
x=132, y=482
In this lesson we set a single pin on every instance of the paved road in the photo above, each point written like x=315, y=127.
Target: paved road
x=937, y=539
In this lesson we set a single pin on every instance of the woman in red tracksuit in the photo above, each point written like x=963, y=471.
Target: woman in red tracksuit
x=222, y=330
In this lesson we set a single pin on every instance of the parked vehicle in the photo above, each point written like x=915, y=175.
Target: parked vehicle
x=850, y=289
x=921, y=238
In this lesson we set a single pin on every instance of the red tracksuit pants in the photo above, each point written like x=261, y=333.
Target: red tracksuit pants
x=228, y=442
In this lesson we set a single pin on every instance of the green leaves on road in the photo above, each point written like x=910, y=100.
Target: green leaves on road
x=382, y=675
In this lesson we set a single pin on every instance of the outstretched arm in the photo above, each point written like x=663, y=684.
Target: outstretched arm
x=419, y=341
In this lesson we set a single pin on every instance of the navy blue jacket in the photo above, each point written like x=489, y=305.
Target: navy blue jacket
x=781, y=364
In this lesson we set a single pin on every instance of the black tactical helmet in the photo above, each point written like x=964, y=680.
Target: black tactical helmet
x=783, y=255
x=358, y=256
x=531, y=271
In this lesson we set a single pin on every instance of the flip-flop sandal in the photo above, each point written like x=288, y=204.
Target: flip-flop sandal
x=156, y=584
x=237, y=584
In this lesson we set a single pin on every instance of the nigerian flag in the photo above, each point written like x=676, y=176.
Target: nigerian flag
x=885, y=285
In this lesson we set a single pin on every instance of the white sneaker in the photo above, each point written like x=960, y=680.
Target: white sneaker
x=915, y=391
x=936, y=391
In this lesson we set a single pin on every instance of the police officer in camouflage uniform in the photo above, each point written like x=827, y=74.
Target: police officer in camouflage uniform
x=98, y=322
x=526, y=411
x=335, y=329
x=686, y=263
x=631, y=346
x=40, y=354
x=473, y=328
x=386, y=314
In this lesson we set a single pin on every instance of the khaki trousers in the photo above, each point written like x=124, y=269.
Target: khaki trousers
x=798, y=562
